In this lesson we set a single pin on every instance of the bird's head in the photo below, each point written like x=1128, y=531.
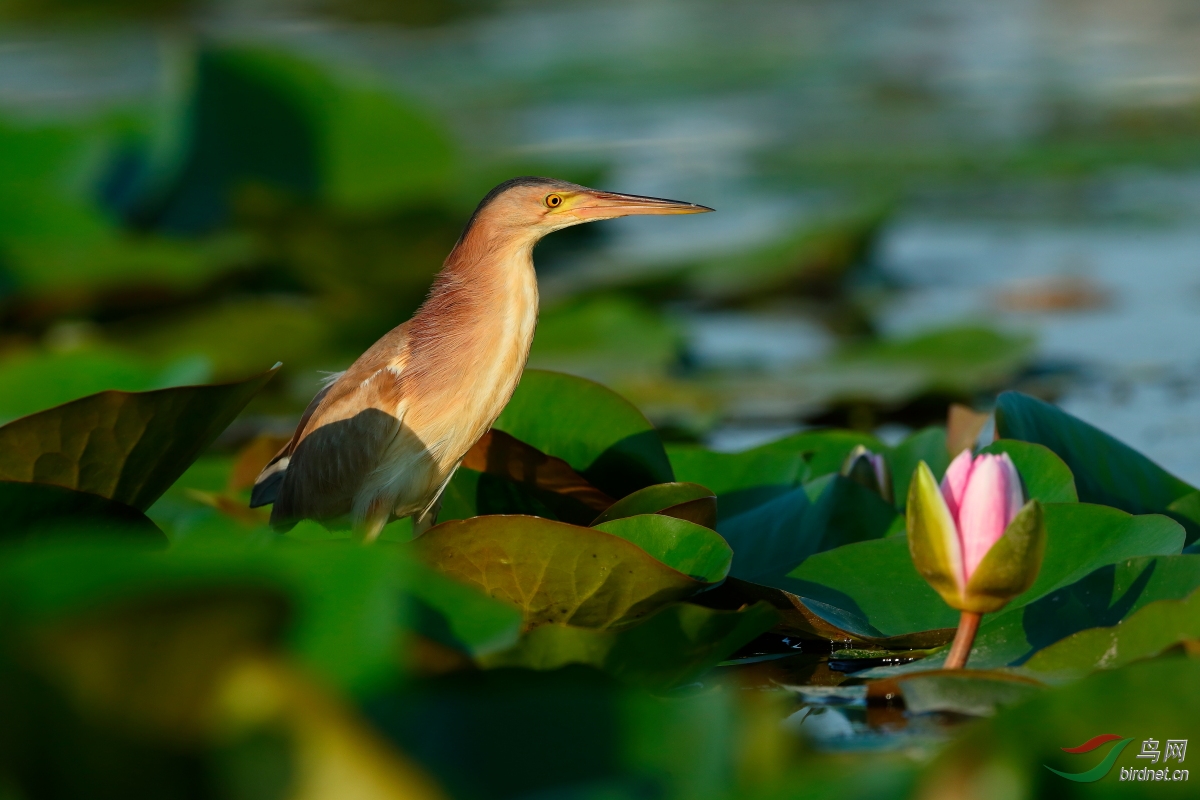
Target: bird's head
x=538, y=206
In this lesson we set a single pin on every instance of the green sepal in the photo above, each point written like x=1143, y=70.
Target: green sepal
x=933, y=537
x=1011, y=566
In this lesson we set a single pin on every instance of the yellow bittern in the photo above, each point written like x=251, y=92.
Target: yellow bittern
x=382, y=439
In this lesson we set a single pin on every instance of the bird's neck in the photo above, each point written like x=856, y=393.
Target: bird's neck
x=470, y=339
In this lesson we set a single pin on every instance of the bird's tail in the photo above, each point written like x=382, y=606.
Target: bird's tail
x=266, y=485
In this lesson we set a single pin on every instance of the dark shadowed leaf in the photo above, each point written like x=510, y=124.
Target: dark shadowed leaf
x=586, y=577
x=596, y=431
x=459, y=615
x=689, y=501
x=503, y=475
x=34, y=510
x=674, y=645
x=125, y=446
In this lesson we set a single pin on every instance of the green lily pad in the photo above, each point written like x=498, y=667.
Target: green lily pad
x=690, y=548
x=585, y=577
x=124, y=446
x=596, y=431
x=672, y=646
x=689, y=501
x=928, y=445
x=1044, y=474
x=1106, y=471
x=752, y=477
x=766, y=539
x=872, y=589
x=1146, y=633
x=33, y=510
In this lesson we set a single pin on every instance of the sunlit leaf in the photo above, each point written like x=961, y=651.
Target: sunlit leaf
x=585, y=577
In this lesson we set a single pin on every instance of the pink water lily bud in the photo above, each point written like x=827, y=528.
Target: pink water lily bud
x=974, y=537
x=984, y=495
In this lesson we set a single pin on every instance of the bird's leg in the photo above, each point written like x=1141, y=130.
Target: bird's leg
x=427, y=518
x=368, y=529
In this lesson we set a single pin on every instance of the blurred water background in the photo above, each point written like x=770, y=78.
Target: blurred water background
x=920, y=201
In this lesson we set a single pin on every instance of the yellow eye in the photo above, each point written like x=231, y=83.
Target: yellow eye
x=553, y=200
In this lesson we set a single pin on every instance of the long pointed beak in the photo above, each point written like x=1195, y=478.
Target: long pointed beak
x=607, y=205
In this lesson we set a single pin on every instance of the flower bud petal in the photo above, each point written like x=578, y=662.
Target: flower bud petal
x=870, y=470
x=933, y=538
x=991, y=501
x=1012, y=564
x=954, y=482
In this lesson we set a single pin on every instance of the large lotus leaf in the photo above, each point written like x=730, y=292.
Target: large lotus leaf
x=125, y=446
x=689, y=501
x=928, y=445
x=344, y=603
x=873, y=585
x=1025, y=743
x=1102, y=598
x=672, y=646
x=459, y=615
x=503, y=475
x=1045, y=476
x=1148, y=632
x=766, y=539
x=596, y=431
x=843, y=513
x=690, y=548
x=1106, y=471
x=771, y=539
x=556, y=572
x=32, y=510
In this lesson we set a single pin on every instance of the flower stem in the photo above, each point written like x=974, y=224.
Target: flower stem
x=968, y=624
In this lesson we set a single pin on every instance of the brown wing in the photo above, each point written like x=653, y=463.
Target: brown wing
x=340, y=440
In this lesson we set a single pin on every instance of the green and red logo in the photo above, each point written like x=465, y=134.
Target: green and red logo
x=1104, y=767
